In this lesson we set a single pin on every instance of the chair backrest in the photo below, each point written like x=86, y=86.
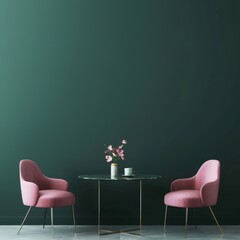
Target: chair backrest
x=30, y=171
x=208, y=172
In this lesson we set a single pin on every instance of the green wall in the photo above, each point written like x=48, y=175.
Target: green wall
x=75, y=75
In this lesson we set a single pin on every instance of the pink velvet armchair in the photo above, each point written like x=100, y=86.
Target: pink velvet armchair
x=41, y=191
x=198, y=191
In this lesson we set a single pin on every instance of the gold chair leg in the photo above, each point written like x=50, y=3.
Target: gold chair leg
x=216, y=220
x=165, y=219
x=24, y=220
x=186, y=222
x=52, y=220
x=44, y=220
x=74, y=221
x=195, y=219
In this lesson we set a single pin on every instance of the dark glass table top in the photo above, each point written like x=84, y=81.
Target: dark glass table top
x=107, y=177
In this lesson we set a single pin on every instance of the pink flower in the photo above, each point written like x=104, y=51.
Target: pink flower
x=119, y=151
x=115, y=154
x=108, y=158
x=110, y=147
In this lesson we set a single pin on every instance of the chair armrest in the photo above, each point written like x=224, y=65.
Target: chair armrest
x=183, y=184
x=209, y=193
x=57, y=184
x=30, y=193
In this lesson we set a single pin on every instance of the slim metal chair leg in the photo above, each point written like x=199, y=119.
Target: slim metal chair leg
x=195, y=218
x=216, y=220
x=186, y=222
x=24, y=220
x=44, y=220
x=165, y=219
x=52, y=220
x=74, y=221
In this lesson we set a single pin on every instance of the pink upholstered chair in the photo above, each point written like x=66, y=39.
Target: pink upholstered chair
x=198, y=191
x=41, y=191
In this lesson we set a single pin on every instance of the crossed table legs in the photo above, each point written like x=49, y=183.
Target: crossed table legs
x=127, y=231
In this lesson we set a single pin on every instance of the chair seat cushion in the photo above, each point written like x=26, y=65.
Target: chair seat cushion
x=55, y=198
x=183, y=199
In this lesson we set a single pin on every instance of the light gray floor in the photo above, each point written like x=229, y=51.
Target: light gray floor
x=90, y=232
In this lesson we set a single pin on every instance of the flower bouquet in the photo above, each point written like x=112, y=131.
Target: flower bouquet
x=115, y=154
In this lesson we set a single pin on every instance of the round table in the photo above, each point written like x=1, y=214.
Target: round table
x=103, y=178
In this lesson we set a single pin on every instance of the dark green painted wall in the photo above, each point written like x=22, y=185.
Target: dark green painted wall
x=75, y=75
